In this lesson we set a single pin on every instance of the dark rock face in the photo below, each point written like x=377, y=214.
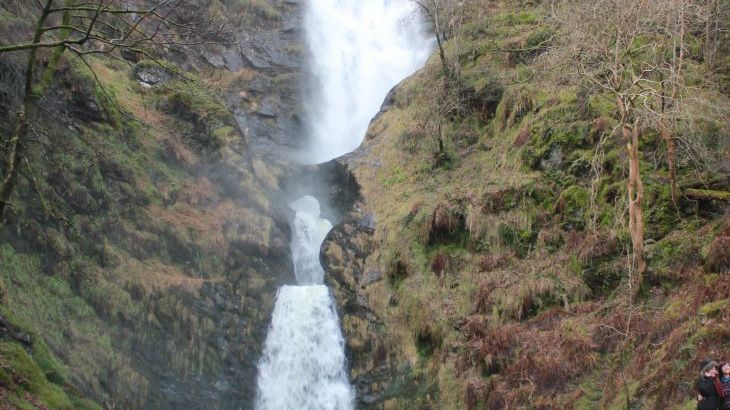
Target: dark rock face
x=344, y=255
x=268, y=104
x=152, y=76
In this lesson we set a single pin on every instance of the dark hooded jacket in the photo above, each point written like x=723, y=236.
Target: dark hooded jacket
x=707, y=388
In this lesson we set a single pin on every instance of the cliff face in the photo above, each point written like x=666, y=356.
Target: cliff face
x=145, y=241
x=484, y=262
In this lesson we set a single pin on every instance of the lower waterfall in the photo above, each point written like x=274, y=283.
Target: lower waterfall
x=303, y=365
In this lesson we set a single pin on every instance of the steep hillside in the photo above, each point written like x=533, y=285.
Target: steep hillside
x=143, y=244
x=487, y=263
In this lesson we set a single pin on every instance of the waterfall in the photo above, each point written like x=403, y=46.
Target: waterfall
x=308, y=234
x=303, y=366
x=359, y=50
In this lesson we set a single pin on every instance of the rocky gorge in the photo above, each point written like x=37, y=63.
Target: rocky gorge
x=480, y=256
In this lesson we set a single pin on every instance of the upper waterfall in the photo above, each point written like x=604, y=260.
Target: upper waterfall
x=359, y=50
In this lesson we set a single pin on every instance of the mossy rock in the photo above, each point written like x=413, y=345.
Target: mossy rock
x=669, y=256
x=572, y=206
x=602, y=277
x=550, y=144
x=27, y=376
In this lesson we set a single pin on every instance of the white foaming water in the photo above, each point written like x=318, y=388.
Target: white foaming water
x=359, y=50
x=303, y=366
x=309, y=232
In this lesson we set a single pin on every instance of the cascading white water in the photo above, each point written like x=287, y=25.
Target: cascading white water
x=308, y=233
x=303, y=366
x=360, y=49
x=304, y=362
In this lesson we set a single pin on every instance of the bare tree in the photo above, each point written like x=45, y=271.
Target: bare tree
x=635, y=54
x=446, y=18
x=605, y=40
x=85, y=28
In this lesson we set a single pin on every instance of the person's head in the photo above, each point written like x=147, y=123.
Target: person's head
x=709, y=369
x=725, y=369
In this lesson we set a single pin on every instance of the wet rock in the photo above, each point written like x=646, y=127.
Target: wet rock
x=251, y=58
x=85, y=107
x=260, y=84
x=393, y=300
x=267, y=108
x=8, y=331
x=131, y=56
x=367, y=223
x=372, y=277
x=233, y=59
x=344, y=256
x=388, y=103
x=216, y=59
x=152, y=76
x=553, y=161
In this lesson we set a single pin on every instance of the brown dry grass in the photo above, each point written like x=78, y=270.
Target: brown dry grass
x=207, y=224
x=718, y=255
x=592, y=245
x=445, y=222
x=154, y=277
x=224, y=79
x=440, y=263
x=180, y=152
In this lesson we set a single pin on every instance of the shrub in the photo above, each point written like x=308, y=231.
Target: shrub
x=447, y=225
x=572, y=206
x=519, y=240
x=718, y=255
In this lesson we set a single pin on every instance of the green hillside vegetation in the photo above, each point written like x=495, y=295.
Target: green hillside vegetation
x=127, y=226
x=503, y=221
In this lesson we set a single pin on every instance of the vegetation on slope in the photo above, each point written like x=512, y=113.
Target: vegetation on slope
x=501, y=199
x=140, y=231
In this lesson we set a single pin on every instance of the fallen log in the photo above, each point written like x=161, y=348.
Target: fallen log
x=707, y=195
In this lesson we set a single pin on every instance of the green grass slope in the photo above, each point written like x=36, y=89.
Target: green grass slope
x=505, y=249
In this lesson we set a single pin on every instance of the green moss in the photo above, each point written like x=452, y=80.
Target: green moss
x=662, y=217
x=572, y=206
x=30, y=377
x=715, y=309
x=397, y=176
x=519, y=240
x=519, y=18
x=225, y=135
x=667, y=257
x=551, y=141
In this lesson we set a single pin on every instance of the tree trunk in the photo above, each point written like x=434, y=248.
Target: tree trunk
x=671, y=162
x=12, y=162
x=635, y=190
x=708, y=195
x=711, y=33
x=15, y=145
x=636, y=198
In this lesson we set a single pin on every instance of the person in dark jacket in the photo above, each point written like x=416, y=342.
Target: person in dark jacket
x=708, y=386
x=725, y=383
